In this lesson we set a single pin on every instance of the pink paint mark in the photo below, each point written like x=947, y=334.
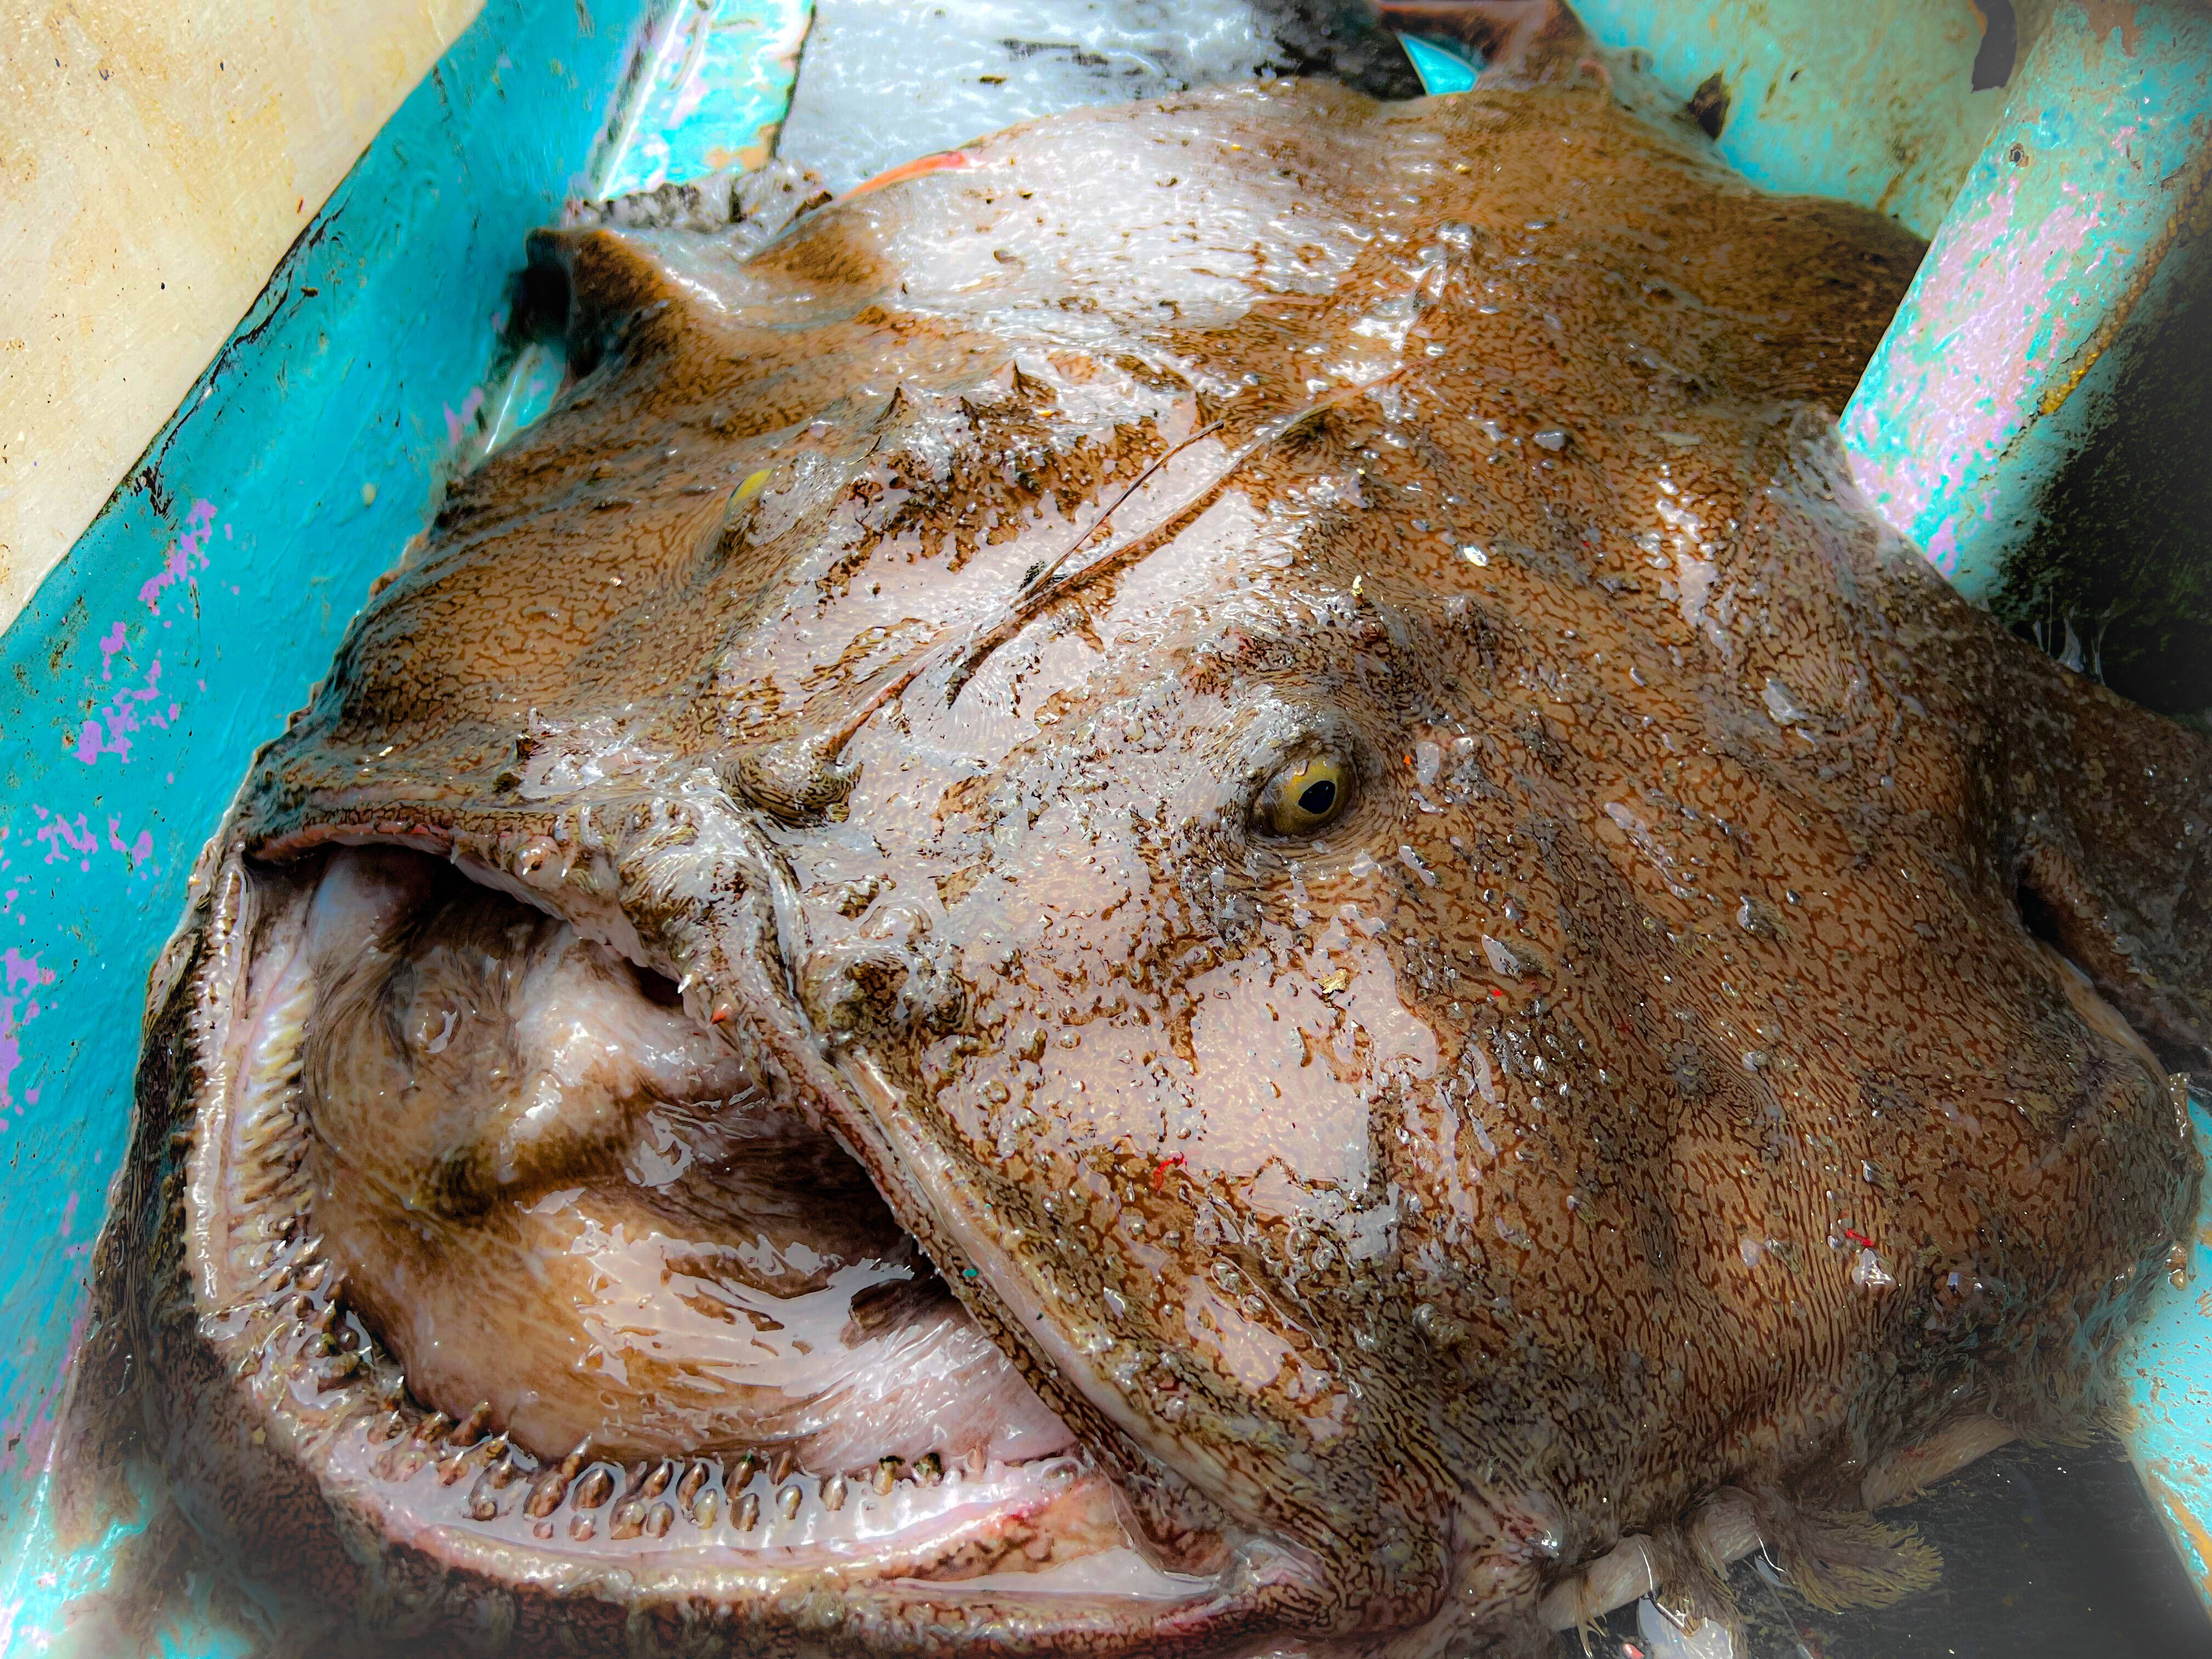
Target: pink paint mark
x=109, y=644
x=137, y=851
x=1943, y=549
x=457, y=426
x=186, y=554
x=69, y=1215
x=16, y=968
x=122, y=716
x=62, y=842
x=11, y=1052
x=1956, y=395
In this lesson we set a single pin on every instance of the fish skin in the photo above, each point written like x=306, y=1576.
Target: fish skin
x=1592, y=1123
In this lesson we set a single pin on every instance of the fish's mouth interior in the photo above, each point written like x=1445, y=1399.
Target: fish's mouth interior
x=563, y=1272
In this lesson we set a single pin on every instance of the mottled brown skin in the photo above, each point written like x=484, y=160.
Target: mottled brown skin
x=1444, y=1197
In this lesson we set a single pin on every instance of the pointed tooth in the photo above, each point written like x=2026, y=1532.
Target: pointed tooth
x=705, y=1508
x=472, y=1427
x=741, y=1471
x=628, y=1520
x=747, y=1515
x=928, y=1469
x=886, y=1475
x=433, y=1427
x=781, y=1465
x=596, y=1486
x=335, y=1371
x=833, y=1493
x=688, y=1488
x=657, y=1519
x=787, y=1502
x=502, y=1473
x=546, y=1495
x=657, y=1482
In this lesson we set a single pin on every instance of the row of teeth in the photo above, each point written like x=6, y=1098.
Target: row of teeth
x=301, y=1338
x=298, y=1338
x=747, y=1500
x=269, y=1165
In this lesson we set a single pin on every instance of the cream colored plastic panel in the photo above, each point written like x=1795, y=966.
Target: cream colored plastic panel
x=155, y=161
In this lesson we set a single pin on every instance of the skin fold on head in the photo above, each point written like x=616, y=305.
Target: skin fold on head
x=1197, y=887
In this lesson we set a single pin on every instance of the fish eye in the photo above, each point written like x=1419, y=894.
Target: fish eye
x=1306, y=796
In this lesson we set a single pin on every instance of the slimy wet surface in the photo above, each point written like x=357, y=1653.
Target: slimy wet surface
x=1195, y=886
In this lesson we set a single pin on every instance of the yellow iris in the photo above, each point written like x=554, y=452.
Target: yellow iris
x=1305, y=798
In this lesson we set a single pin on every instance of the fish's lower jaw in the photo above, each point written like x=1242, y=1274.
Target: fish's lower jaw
x=950, y=1500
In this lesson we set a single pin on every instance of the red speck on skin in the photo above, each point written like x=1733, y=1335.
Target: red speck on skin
x=937, y=163
x=1858, y=1238
x=1160, y=1170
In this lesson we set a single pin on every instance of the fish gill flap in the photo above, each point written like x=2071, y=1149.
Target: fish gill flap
x=2119, y=877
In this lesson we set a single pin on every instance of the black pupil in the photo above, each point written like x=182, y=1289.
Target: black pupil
x=1316, y=798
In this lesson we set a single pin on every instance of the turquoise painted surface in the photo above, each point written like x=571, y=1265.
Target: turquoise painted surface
x=1872, y=102
x=1441, y=71
x=2167, y=1372
x=2004, y=353
x=720, y=82
x=199, y=608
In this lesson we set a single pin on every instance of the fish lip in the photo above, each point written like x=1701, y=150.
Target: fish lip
x=1238, y=1597
x=1298, y=1574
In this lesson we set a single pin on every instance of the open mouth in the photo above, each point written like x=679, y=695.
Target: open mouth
x=512, y=1255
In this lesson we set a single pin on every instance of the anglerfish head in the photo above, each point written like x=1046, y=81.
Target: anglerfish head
x=1195, y=887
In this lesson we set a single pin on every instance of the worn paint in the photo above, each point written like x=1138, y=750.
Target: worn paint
x=2167, y=1372
x=201, y=604
x=2002, y=357
x=1873, y=102
x=720, y=81
x=157, y=161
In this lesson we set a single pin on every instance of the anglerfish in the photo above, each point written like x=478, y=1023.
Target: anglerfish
x=1194, y=885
